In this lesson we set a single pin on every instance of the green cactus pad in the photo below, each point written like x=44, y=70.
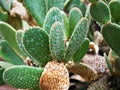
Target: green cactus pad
x=19, y=38
x=74, y=16
x=8, y=54
x=37, y=8
x=55, y=3
x=82, y=6
x=77, y=38
x=5, y=65
x=9, y=34
x=36, y=43
x=87, y=14
x=81, y=51
x=3, y=16
x=22, y=77
x=56, y=41
x=111, y=34
x=100, y=12
x=115, y=9
x=93, y=1
x=52, y=16
x=66, y=25
x=1, y=76
x=6, y=4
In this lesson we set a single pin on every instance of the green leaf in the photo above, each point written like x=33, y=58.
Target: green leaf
x=6, y=4
x=1, y=76
x=52, y=16
x=114, y=6
x=8, y=54
x=79, y=54
x=66, y=25
x=23, y=77
x=5, y=65
x=55, y=3
x=77, y=38
x=56, y=41
x=108, y=64
x=37, y=8
x=111, y=34
x=100, y=12
x=9, y=34
x=36, y=43
x=74, y=17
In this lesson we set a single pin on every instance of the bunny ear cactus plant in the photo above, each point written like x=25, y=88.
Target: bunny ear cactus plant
x=107, y=14
x=47, y=47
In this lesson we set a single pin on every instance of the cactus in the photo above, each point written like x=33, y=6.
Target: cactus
x=8, y=54
x=100, y=12
x=66, y=25
x=55, y=3
x=37, y=9
x=83, y=70
x=56, y=41
x=6, y=4
x=111, y=33
x=36, y=40
x=11, y=38
x=47, y=46
x=74, y=16
x=77, y=38
x=81, y=51
x=22, y=76
x=52, y=16
x=115, y=9
x=54, y=77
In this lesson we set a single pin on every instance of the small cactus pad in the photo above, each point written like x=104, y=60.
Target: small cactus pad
x=22, y=77
x=56, y=41
x=74, y=17
x=36, y=43
x=111, y=34
x=77, y=38
x=9, y=34
x=81, y=51
x=93, y=1
x=115, y=9
x=83, y=70
x=8, y=54
x=37, y=8
x=54, y=77
x=100, y=12
x=66, y=25
x=55, y=3
x=52, y=16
